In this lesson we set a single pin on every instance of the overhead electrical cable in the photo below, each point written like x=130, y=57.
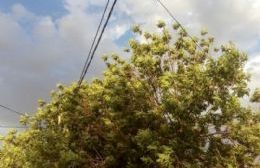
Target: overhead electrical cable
x=176, y=20
x=8, y=126
x=94, y=40
x=99, y=39
x=11, y=110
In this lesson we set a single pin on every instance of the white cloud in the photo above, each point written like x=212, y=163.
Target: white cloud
x=76, y=6
x=20, y=12
x=45, y=28
x=253, y=67
x=51, y=51
x=236, y=20
x=117, y=31
x=10, y=31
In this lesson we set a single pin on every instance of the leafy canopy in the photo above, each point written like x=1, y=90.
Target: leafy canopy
x=173, y=104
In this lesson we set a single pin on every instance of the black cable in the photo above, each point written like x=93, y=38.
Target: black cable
x=176, y=20
x=11, y=110
x=94, y=40
x=7, y=126
x=99, y=39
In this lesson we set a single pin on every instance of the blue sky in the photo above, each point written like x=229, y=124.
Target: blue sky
x=54, y=8
x=44, y=42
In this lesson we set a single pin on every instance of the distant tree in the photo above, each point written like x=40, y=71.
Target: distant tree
x=256, y=96
x=173, y=104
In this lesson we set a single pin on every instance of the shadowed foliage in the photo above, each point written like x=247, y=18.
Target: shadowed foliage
x=173, y=104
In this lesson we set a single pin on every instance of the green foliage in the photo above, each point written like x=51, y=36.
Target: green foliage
x=171, y=105
x=161, y=24
x=256, y=96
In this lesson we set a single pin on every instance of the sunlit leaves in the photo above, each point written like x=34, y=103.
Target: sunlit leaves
x=256, y=96
x=174, y=103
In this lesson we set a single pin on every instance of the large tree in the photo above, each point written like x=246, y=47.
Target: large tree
x=175, y=103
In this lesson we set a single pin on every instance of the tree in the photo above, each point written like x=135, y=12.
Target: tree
x=173, y=104
x=256, y=96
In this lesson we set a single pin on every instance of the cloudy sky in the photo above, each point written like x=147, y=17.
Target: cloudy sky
x=45, y=42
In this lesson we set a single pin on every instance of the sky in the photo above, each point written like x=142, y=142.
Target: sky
x=45, y=42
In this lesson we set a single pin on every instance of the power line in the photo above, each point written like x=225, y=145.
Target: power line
x=11, y=110
x=7, y=126
x=12, y=126
x=176, y=20
x=94, y=40
x=99, y=39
